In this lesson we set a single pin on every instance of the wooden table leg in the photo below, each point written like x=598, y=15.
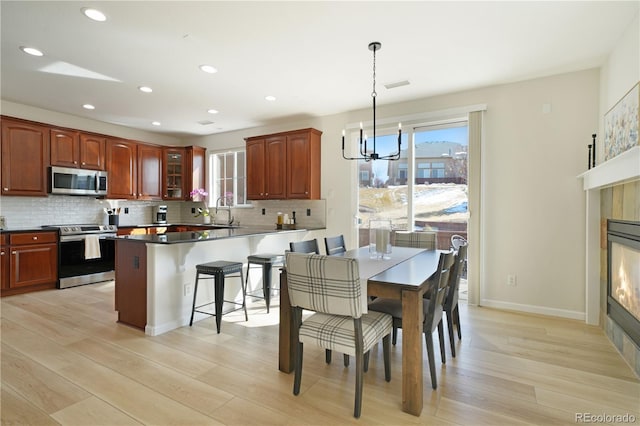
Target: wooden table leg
x=412, y=387
x=285, y=338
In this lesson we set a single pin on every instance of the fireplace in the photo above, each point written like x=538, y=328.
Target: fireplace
x=623, y=282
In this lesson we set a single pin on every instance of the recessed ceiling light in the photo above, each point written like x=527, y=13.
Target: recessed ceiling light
x=270, y=98
x=145, y=89
x=212, y=111
x=31, y=51
x=88, y=106
x=94, y=14
x=209, y=69
x=156, y=123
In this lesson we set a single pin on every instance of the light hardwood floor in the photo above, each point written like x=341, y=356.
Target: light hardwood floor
x=66, y=361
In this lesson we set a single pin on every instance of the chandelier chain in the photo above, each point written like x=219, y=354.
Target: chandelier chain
x=373, y=93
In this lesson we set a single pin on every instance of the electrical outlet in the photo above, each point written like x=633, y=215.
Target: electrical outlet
x=188, y=289
x=264, y=211
x=193, y=209
x=512, y=280
x=308, y=212
x=126, y=210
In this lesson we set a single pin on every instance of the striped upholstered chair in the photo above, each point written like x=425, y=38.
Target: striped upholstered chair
x=330, y=286
x=419, y=239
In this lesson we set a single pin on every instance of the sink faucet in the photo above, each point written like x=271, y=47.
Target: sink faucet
x=228, y=201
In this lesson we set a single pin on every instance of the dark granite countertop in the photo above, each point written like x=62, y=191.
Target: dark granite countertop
x=206, y=235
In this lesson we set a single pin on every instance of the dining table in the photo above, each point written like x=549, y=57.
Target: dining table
x=403, y=275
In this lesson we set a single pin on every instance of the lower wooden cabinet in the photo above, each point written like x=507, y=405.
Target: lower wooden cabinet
x=29, y=262
x=131, y=283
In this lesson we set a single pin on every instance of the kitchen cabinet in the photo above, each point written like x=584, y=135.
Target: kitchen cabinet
x=266, y=168
x=135, y=170
x=196, y=169
x=121, y=164
x=284, y=165
x=93, y=152
x=303, y=165
x=25, y=157
x=65, y=147
x=184, y=171
x=173, y=182
x=70, y=148
x=131, y=284
x=149, y=172
x=32, y=262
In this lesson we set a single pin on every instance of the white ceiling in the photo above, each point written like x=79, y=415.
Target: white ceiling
x=312, y=56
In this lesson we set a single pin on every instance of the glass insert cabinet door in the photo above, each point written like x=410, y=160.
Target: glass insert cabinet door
x=174, y=174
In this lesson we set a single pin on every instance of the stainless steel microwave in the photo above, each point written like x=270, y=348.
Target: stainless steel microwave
x=64, y=180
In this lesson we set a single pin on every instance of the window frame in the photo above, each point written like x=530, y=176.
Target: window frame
x=214, y=177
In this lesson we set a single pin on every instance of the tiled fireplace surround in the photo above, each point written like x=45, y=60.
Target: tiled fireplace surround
x=613, y=192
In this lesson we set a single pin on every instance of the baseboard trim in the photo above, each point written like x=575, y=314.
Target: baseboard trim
x=533, y=309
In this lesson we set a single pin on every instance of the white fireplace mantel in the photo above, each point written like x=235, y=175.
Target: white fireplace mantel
x=618, y=170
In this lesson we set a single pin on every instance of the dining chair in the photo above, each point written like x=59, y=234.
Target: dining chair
x=432, y=309
x=417, y=239
x=330, y=287
x=451, y=300
x=306, y=246
x=334, y=245
x=457, y=241
x=311, y=247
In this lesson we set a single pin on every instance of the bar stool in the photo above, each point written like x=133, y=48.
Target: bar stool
x=218, y=270
x=266, y=261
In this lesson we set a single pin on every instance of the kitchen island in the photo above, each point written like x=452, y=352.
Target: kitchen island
x=155, y=273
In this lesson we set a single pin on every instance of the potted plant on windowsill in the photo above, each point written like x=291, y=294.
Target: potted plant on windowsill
x=199, y=194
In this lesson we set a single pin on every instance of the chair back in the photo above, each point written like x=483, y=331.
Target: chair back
x=455, y=275
x=325, y=284
x=334, y=245
x=307, y=246
x=438, y=291
x=420, y=239
x=457, y=241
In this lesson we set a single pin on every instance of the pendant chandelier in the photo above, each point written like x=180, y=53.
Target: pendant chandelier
x=373, y=155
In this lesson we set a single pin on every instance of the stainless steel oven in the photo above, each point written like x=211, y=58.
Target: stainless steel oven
x=86, y=254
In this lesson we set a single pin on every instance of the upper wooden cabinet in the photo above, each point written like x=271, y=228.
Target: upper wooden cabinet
x=65, y=148
x=173, y=181
x=184, y=170
x=70, y=148
x=135, y=170
x=122, y=166
x=266, y=168
x=196, y=176
x=303, y=165
x=93, y=152
x=284, y=165
x=25, y=157
x=149, y=172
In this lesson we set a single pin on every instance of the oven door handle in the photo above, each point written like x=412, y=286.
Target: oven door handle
x=68, y=238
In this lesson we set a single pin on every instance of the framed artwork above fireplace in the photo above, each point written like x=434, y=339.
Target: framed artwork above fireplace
x=621, y=124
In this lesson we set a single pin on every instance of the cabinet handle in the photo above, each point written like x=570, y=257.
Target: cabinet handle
x=14, y=252
x=306, y=192
x=1, y=253
x=84, y=164
x=6, y=189
x=35, y=238
x=75, y=162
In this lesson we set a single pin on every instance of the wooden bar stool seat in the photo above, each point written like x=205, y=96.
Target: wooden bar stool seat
x=266, y=261
x=217, y=271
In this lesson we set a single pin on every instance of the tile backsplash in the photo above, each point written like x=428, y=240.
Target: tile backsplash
x=28, y=212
